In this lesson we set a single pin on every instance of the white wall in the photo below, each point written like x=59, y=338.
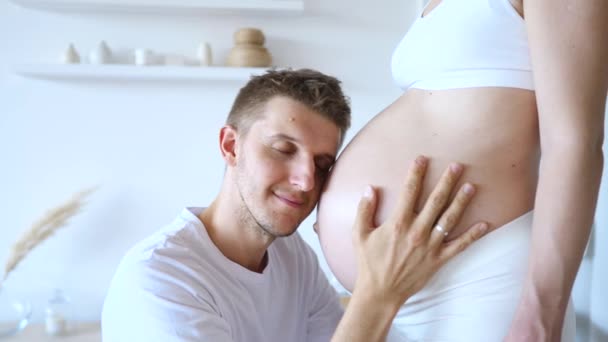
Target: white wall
x=152, y=146
x=589, y=292
x=599, y=276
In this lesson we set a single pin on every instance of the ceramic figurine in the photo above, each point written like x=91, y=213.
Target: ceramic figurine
x=249, y=50
x=143, y=57
x=101, y=55
x=205, y=57
x=70, y=56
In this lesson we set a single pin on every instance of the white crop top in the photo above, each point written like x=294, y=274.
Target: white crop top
x=465, y=44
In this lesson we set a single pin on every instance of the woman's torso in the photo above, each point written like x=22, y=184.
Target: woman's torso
x=493, y=131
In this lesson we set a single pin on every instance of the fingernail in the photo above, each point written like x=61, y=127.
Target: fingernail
x=456, y=168
x=368, y=192
x=483, y=227
x=468, y=189
x=421, y=160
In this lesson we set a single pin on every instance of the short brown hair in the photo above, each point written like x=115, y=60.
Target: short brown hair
x=320, y=92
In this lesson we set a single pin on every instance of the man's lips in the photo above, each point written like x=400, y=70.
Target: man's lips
x=291, y=201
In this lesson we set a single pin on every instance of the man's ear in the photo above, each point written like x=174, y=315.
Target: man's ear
x=228, y=144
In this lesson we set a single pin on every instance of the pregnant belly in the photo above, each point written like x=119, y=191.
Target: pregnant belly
x=501, y=159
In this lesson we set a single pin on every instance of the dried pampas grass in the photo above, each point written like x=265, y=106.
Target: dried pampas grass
x=43, y=228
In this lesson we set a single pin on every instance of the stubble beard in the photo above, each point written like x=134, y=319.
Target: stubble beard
x=263, y=225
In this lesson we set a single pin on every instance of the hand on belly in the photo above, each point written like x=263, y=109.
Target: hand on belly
x=504, y=174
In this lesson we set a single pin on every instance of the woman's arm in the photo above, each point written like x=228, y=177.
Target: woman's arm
x=569, y=50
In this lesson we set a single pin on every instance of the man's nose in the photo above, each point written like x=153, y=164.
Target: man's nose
x=303, y=175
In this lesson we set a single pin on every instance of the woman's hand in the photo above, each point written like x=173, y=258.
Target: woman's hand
x=397, y=258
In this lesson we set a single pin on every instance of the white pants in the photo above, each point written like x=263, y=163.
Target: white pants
x=474, y=296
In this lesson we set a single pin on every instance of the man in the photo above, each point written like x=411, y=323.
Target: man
x=235, y=271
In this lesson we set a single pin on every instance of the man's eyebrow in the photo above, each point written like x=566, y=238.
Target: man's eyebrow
x=283, y=136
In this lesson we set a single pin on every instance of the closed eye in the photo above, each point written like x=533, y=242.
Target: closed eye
x=284, y=151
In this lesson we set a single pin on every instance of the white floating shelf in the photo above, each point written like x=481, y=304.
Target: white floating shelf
x=166, y=6
x=110, y=72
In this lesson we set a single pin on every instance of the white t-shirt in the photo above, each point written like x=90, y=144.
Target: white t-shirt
x=177, y=286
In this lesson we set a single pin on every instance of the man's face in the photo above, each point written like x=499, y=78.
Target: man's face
x=281, y=165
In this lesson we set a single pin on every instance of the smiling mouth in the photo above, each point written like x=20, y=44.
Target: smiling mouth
x=290, y=201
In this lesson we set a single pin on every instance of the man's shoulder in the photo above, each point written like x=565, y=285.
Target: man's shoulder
x=163, y=281
x=179, y=245
x=177, y=237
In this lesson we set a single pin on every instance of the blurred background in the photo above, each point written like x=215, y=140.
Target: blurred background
x=151, y=144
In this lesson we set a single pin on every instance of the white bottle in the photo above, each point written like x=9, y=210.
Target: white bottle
x=70, y=56
x=57, y=312
x=204, y=54
x=143, y=57
x=101, y=55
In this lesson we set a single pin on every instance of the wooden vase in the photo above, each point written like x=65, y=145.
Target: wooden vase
x=249, y=50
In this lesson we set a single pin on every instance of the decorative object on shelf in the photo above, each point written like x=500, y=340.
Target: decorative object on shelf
x=100, y=55
x=70, y=56
x=16, y=314
x=44, y=228
x=58, y=314
x=205, y=57
x=249, y=50
x=143, y=57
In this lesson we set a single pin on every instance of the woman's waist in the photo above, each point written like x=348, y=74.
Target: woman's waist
x=483, y=116
x=383, y=152
x=505, y=176
x=497, y=144
x=483, y=101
